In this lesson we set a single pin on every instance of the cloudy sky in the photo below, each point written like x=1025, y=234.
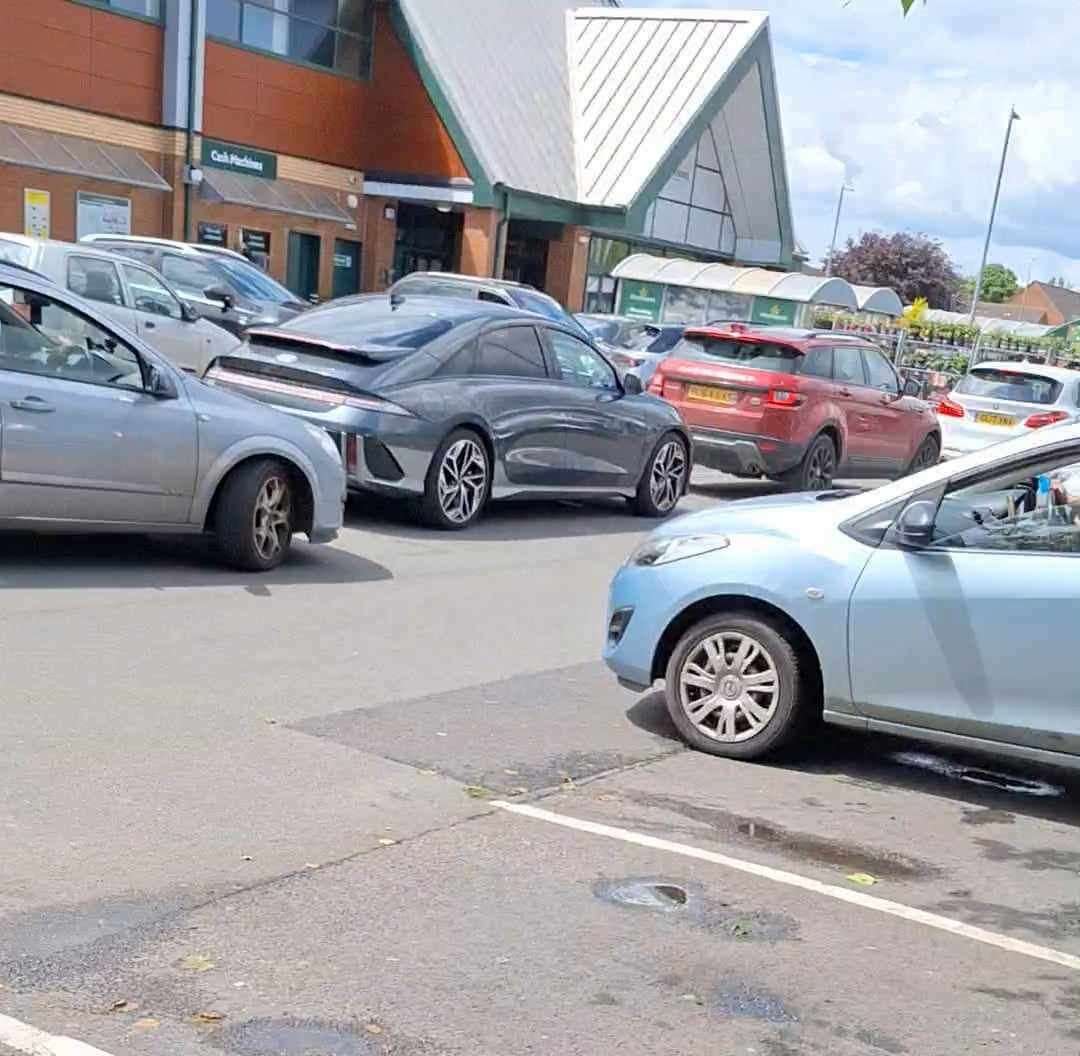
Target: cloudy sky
x=913, y=111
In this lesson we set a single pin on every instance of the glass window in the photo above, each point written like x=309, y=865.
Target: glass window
x=759, y=355
x=149, y=293
x=41, y=336
x=514, y=352
x=879, y=371
x=817, y=363
x=998, y=384
x=96, y=280
x=189, y=275
x=848, y=365
x=250, y=281
x=580, y=365
x=683, y=304
x=16, y=252
x=147, y=8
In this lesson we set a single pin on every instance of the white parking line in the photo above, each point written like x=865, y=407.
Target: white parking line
x=23, y=1038
x=781, y=876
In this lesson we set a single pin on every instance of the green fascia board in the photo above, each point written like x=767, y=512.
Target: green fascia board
x=759, y=54
x=525, y=205
x=483, y=194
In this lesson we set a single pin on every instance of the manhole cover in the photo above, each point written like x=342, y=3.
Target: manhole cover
x=667, y=896
x=293, y=1037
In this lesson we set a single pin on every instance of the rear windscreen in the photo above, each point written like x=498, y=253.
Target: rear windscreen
x=760, y=355
x=998, y=384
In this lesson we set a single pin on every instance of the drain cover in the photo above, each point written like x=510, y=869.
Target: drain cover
x=293, y=1037
x=667, y=896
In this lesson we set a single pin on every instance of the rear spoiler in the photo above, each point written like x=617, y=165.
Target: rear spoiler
x=320, y=346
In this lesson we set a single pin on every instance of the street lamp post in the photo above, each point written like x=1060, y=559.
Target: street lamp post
x=1013, y=116
x=836, y=227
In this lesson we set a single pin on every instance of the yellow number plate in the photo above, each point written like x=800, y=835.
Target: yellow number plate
x=984, y=418
x=713, y=395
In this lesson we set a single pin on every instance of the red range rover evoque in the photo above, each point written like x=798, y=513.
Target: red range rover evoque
x=800, y=406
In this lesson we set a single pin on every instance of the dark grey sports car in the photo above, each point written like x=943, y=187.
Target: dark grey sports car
x=454, y=402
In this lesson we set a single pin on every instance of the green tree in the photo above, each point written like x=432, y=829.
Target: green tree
x=998, y=283
x=913, y=265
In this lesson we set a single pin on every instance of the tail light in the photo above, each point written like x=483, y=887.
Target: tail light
x=948, y=409
x=1037, y=421
x=785, y=398
x=352, y=454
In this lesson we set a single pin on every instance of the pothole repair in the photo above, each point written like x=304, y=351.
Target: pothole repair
x=294, y=1037
x=667, y=896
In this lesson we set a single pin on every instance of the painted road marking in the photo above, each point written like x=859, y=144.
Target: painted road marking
x=781, y=876
x=24, y=1038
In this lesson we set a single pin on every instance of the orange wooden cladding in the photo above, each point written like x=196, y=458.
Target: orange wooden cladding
x=79, y=56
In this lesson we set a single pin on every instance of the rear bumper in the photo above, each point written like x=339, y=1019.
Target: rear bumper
x=745, y=456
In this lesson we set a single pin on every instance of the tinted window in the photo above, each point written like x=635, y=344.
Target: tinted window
x=817, y=363
x=96, y=280
x=848, y=365
x=514, y=352
x=879, y=371
x=541, y=305
x=580, y=365
x=251, y=281
x=998, y=384
x=760, y=355
x=189, y=276
x=669, y=337
x=604, y=329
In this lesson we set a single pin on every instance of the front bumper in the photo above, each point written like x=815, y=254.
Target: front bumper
x=745, y=456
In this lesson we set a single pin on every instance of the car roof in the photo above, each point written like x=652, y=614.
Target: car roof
x=1043, y=370
x=143, y=240
x=85, y=249
x=472, y=280
x=457, y=309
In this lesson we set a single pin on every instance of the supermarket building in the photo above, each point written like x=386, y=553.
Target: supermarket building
x=344, y=143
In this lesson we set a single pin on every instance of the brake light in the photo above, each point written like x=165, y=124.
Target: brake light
x=785, y=398
x=352, y=454
x=1037, y=421
x=948, y=409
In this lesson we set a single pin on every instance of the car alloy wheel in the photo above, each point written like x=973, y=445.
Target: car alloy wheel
x=272, y=519
x=820, y=467
x=668, y=477
x=462, y=480
x=729, y=687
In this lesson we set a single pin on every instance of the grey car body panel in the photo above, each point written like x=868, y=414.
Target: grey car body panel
x=115, y=459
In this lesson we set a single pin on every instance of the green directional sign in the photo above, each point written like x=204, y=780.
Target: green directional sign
x=767, y=311
x=641, y=300
x=233, y=158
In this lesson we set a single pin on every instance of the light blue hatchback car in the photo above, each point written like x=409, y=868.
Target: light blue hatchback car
x=943, y=607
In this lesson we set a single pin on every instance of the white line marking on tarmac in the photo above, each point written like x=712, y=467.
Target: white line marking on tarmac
x=24, y=1038
x=781, y=876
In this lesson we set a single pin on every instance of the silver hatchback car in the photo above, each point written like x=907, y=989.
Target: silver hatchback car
x=99, y=433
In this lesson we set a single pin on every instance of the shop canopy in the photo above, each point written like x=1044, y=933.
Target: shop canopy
x=74, y=156
x=989, y=325
x=279, y=196
x=880, y=299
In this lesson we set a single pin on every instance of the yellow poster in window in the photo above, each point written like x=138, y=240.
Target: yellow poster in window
x=36, y=208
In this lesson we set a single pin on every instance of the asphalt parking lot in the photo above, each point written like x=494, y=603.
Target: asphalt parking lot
x=385, y=800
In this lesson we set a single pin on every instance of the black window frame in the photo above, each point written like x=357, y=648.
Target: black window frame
x=474, y=370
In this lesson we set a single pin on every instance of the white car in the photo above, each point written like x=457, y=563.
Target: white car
x=998, y=400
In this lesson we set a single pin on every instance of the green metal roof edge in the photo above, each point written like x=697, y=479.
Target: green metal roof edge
x=483, y=194
x=756, y=53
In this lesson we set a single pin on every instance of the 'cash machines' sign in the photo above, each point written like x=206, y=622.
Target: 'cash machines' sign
x=229, y=156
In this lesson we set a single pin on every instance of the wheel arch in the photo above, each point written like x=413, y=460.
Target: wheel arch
x=833, y=430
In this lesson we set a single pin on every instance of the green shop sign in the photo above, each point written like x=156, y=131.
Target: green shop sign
x=229, y=156
x=640, y=300
x=769, y=312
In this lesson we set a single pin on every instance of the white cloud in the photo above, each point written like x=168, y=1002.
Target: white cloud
x=914, y=111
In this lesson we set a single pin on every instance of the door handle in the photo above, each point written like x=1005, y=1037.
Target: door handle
x=34, y=404
x=150, y=325
x=846, y=393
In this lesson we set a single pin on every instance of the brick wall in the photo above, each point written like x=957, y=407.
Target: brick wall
x=568, y=258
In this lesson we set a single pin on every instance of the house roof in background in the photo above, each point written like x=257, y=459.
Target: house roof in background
x=1066, y=301
x=1011, y=310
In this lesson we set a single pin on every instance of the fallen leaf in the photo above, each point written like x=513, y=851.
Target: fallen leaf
x=862, y=879
x=208, y=1017
x=386, y=841
x=245, y=858
x=148, y=1023
x=373, y=1028
x=197, y=962
x=478, y=792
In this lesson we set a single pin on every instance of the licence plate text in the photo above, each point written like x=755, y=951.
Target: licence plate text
x=710, y=394
x=985, y=418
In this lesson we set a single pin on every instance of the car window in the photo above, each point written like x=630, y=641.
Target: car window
x=149, y=293
x=250, y=281
x=996, y=383
x=879, y=371
x=39, y=335
x=760, y=355
x=848, y=365
x=513, y=352
x=189, y=276
x=126, y=249
x=817, y=363
x=580, y=365
x=16, y=252
x=665, y=341
x=94, y=279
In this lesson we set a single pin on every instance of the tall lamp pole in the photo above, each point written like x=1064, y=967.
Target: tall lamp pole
x=836, y=227
x=1013, y=116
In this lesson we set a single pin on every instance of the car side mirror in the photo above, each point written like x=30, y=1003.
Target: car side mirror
x=220, y=293
x=631, y=384
x=159, y=384
x=188, y=314
x=914, y=528
x=911, y=388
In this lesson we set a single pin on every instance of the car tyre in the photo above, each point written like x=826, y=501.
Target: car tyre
x=816, y=470
x=253, y=521
x=664, y=479
x=458, y=482
x=761, y=699
x=928, y=455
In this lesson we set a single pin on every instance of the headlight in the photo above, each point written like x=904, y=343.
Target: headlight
x=668, y=548
x=324, y=439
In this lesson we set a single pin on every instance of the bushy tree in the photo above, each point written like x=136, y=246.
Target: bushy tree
x=998, y=283
x=913, y=265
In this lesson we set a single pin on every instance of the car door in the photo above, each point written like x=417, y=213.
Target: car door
x=890, y=440
x=603, y=439
x=975, y=633
x=98, y=280
x=83, y=440
x=850, y=393
x=160, y=321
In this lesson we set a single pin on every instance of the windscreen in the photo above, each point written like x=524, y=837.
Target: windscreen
x=996, y=383
x=758, y=355
x=249, y=281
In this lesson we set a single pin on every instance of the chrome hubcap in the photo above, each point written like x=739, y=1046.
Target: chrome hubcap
x=273, y=518
x=462, y=480
x=821, y=469
x=668, y=475
x=729, y=687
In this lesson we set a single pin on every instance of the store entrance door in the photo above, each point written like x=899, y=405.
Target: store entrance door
x=302, y=266
x=346, y=267
x=426, y=239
